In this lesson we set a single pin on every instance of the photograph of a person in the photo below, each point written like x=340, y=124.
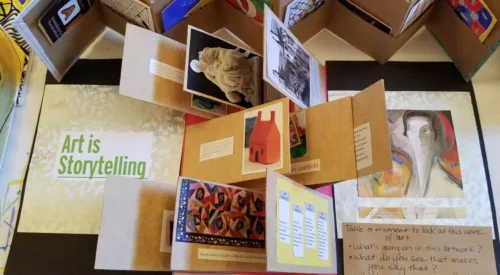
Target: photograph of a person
x=263, y=146
x=221, y=71
x=425, y=165
x=288, y=63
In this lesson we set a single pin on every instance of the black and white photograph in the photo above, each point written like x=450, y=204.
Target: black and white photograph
x=221, y=71
x=288, y=63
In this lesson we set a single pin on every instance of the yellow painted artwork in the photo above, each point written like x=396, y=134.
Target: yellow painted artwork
x=314, y=250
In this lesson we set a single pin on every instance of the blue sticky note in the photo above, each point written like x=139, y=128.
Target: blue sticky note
x=176, y=11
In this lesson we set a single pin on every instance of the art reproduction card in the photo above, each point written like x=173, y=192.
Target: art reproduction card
x=289, y=67
x=218, y=228
x=437, y=174
x=85, y=134
x=239, y=146
x=252, y=8
x=142, y=211
x=301, y=239
x=221, y=71
x=263, y=139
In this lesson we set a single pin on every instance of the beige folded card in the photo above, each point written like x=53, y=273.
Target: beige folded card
x=153, y=71
x=240, y=146
x=417, y=249
x=224, y=228
x=343, y=139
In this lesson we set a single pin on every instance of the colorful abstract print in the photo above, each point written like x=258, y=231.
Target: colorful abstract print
x=220, y=215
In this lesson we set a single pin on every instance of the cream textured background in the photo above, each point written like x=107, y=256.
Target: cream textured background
x=74, y=206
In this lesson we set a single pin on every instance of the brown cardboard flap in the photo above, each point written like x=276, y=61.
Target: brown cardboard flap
x=330, y=143
x=369, y=107
x=112, y=19
x=207, y=18
x=157, y=7
x=228, y=168
x=390, y=12
x=367, y=38
x=463, y=47
x=248, y=30
x=494, y=35
x=279, y=8
x=59, y=57
x=314, y=23
x=137, y=81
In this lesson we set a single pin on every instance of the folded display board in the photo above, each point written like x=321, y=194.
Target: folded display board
x=153, y=71
x=240, y=146
x=221, y=228
x=136, y=225
x=462, y=46
x=60, y=56
x=344, y=139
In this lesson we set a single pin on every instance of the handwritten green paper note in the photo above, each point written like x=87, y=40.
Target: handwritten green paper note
x=382, y=249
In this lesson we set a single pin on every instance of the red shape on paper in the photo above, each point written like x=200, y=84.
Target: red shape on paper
x=264, y=142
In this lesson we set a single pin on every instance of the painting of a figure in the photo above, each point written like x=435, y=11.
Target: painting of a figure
x=425, y=165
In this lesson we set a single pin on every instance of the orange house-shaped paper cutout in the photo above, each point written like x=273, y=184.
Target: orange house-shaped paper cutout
x=264, y=142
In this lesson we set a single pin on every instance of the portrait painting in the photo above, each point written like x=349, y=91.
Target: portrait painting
x=425, y=162
x=221, y=71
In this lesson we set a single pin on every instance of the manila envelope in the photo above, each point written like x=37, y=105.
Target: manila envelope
x=240, y=146
x=288, y=228
x=331, y=144
x=153, y=70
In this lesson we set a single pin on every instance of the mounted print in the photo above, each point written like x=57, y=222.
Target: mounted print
x=218, y=227
x=221, y=71
x=437, y=174
x=289, y=67
x=263, y=139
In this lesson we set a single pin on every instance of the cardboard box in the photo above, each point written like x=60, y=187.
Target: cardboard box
x=462, y=46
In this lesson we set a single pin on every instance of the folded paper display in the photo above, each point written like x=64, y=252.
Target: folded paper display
x=221, y=228
x=143, y=212
x=239, y=147
x=153, y=71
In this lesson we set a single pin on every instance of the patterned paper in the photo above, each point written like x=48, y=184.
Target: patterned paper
x=468, y=202
x=220, y=215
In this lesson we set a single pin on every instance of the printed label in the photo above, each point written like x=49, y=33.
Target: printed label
x=305, y=166
x=363, y=146
x=298, y=228
x=284, y=217
x=216, y=149
x=232, y=256
x=167, y=230
x=96, y=155
x=310, y=224
x=166, y=71
x=323, y=236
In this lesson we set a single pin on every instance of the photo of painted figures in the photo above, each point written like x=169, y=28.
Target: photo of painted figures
x=221, y=71
x=425, y=165
x=297, y=128
x=263, y=146
x=288, y=63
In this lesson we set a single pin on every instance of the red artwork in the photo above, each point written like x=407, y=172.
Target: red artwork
x=264, y=141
